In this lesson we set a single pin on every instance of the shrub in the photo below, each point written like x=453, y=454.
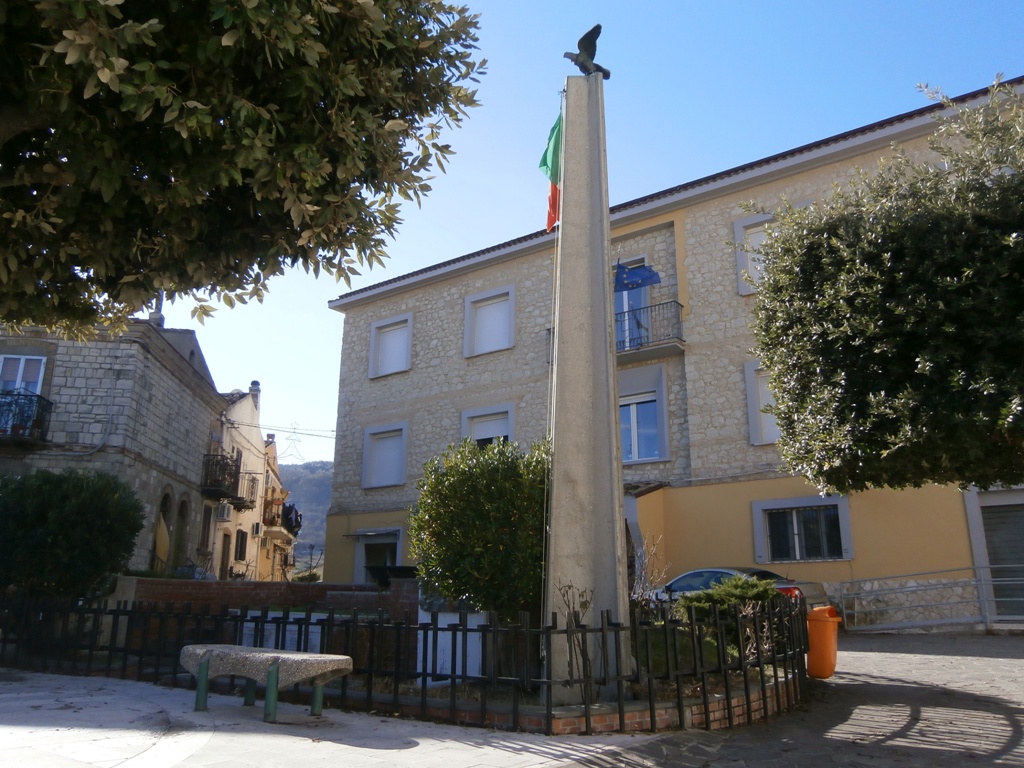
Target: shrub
x=65, y=533
x=735, y=590
x=478, y=528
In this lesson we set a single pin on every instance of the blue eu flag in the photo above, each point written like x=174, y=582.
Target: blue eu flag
x=628, y=278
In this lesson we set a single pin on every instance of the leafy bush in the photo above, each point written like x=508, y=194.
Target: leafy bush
x=735, y=590
x=65, y=533
x=478, y=528
x=756, y=633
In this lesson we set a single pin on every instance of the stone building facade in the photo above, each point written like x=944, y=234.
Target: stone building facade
x=702, y=476
x=141, y=406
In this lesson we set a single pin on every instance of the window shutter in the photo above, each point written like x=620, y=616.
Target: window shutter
x=760, y=535
x=491, y=325
x=386, y=459
x=392, y=346
x=494, y=425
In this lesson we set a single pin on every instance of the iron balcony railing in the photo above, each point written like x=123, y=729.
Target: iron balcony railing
x=248, y=490
x=644, y=326
x=640, y=328
x=221, y=474
x=24, y=416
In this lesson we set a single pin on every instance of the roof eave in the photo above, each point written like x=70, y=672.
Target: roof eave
x=858, y=141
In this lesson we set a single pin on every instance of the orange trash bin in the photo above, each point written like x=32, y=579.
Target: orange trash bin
x=822, y=642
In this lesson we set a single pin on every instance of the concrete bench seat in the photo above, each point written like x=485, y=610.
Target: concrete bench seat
x=273, y=669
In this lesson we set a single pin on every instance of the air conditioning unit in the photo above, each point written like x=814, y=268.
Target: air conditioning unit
x=257, y=530
x=223, y=512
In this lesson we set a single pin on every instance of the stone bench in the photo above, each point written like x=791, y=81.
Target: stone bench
x=273, y=669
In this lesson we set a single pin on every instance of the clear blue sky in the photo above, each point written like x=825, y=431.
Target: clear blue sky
x=696, y=88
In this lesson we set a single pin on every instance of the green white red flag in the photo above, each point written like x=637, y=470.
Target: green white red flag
x=551, y=166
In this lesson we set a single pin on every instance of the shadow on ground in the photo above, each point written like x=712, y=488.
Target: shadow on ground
x=858, y=720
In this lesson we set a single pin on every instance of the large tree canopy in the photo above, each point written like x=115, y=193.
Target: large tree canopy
x=891, y=315
x=478, y=527
x=198, y=147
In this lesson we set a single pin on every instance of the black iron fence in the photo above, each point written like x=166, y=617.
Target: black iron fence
x=709, y=667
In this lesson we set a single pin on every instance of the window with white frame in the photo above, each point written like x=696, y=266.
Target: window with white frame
x=19, y=373
x=638, y=422
x=485, y=425
x=489, y=321
x=802, y=528
x=390, y=346
x=384, y=454
x=748, y=234
x=643, y=420
x=764, y=430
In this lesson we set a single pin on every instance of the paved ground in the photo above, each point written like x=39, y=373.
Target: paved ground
x=899, y=700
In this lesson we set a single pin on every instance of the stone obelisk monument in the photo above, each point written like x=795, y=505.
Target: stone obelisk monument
x=586, y=538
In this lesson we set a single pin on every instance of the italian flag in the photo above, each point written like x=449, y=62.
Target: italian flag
x=551, y=166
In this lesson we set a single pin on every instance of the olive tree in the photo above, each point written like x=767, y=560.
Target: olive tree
x=477, y=530
x=64, y=533
x=890, y=316
x=199, y=148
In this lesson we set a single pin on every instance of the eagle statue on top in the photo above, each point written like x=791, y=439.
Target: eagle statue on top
x=584, y=58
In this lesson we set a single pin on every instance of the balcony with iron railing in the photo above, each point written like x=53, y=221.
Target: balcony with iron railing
x=220, y=476
x=644, y=333
x=24, y=417
x=248, y=491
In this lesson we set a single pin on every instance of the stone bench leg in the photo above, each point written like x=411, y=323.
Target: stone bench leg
x=203, y=684
x=270, y=695
x=250, y=693
x=316, y=704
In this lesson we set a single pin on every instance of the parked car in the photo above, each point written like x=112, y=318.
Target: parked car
x=705, y=578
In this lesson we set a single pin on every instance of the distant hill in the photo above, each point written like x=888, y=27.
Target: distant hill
x=309, y=489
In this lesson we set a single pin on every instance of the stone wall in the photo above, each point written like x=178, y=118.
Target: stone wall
x=909, y=602
x=441, y=383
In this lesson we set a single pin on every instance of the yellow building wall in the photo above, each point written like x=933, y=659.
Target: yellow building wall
x=340, y=542
x=894, y=532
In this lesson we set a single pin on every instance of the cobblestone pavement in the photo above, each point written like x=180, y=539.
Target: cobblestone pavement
x=896, y=700
x=928, y=700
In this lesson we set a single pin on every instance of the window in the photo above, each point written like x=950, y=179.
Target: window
x=749, y=234
x=206, y=527
x=390, y=346
x=764, y=430
x=375, y=548
x=241, y=540
x=642, y=414
x=23, y=374
x=489, y=321
x=638, y=422
x=804, y=528
x=485, y=425
x=384, y=449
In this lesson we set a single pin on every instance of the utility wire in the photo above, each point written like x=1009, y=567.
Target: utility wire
x=304, y=431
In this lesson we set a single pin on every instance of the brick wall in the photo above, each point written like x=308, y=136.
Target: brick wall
x=403, y=596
